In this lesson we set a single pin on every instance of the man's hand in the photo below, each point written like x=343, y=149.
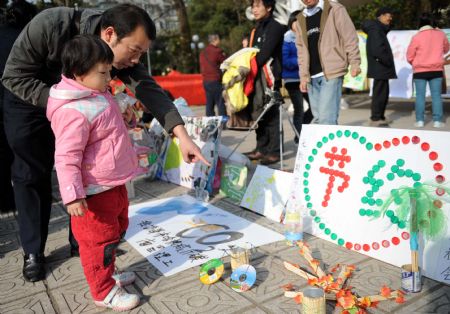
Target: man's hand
x=77, y=207
x=189, y=150
x=304, y=87
x=355, y=71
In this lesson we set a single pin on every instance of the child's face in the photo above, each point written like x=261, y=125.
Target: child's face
x=97, y=78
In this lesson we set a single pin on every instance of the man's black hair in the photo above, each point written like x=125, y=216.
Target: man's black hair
x=125, y=18
x=82, y=53
x=19, y=13
x=427, y=19
x=267, y=4
x=384, y=10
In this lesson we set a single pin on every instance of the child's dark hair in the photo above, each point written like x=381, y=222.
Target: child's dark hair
x=82, y=53
x=427, y=19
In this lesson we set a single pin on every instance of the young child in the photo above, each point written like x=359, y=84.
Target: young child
x=94, y=159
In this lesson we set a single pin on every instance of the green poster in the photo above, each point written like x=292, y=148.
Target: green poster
x=234, y=181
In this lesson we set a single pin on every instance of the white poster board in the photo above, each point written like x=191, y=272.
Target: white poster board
x=206, y=133
x=268, y=192
x=178, y=233
x=344, y=175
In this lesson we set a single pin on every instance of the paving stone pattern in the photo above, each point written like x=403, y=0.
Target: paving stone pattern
x=65, y=289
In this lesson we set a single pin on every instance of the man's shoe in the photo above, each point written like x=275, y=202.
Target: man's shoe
x=33, y=267
x=419, y=124
x=119, y=300
x=124, y=279
x=74, y=252
x=378, y=123
x=268, y=160
x=255, y=155
x=438, y=124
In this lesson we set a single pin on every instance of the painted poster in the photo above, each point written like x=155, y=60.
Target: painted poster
x=233, y=181
x=268, y=192
x=178, y=233
x=359, y=82
x=355, y=183
x=205, y=132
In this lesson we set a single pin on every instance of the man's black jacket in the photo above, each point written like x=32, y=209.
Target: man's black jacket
x=379, y=53
x=34, y=63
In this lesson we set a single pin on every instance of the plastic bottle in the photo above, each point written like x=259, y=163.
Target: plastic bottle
x=293, y=227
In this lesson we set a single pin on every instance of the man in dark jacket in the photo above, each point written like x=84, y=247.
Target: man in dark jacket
x=381, y=65
x=268, y=37
x=17, y=16
x=210, y=59
x=32, y=68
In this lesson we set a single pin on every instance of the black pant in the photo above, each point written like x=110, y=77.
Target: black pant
x=213, y=91
x=296, y=96
x=380, y=97
x=6, y=159
x=33, y=144
x=268, y=134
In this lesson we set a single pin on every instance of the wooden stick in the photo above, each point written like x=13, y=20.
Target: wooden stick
x=377, y=298
x=415, y=261
x=293, y=294
x=306, y=252
x=296, y=270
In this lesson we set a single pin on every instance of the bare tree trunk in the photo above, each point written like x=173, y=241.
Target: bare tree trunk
x=186, y=56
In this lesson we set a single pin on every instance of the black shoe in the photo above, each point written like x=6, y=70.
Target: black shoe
x=74, y=252
x=33, y=267
x=268, y=160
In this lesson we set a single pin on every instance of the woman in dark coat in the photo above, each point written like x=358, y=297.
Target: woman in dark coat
x=268, y=37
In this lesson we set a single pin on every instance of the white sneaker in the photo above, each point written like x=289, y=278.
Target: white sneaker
x=419, y=124
x=119, y=300
x=438, y=124
x=124, y=279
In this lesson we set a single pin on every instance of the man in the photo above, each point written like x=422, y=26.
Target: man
x=210, y=59
x=19, y=13
x=32, y=68
x=381, y=65
x=327, y=44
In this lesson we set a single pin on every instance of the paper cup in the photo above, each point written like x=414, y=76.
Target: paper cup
x=313, y=301
x=239, y=256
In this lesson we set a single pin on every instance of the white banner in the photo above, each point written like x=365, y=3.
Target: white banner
x=178, y=233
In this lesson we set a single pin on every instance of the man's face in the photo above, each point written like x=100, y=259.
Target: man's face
x=310, y=3
x=129, y=49
x=259, y=10
x=385, y=19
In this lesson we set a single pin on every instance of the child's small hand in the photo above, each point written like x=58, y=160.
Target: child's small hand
x=128, y=114
x=77, y=207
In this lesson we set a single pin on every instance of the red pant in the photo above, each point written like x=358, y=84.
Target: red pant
x=98, y=234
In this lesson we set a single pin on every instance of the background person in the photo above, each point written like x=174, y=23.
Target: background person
x=268, y=37
x=210, y=60
x=33, y=66
x=380, y=62
x=291, y=77
x=426, y=54
x=327, y=44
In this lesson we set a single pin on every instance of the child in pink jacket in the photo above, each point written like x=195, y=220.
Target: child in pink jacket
x=94, y=159
x=426, y=55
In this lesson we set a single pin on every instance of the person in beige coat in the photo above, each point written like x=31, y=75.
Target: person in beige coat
x=327, y=43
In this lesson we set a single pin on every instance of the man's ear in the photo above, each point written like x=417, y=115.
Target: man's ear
x=107, y=34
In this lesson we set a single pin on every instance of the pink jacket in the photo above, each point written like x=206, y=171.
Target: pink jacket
x=427, y=49
x=92, y=142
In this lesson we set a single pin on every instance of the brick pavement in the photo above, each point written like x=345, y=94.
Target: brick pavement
x=65, y=289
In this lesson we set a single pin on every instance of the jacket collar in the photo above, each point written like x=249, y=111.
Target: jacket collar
x=425, y=28
x=310, y=12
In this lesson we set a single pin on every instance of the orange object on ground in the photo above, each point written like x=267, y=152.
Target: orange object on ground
x=188, y=86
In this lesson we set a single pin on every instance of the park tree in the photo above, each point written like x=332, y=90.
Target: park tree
x=407, y=12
